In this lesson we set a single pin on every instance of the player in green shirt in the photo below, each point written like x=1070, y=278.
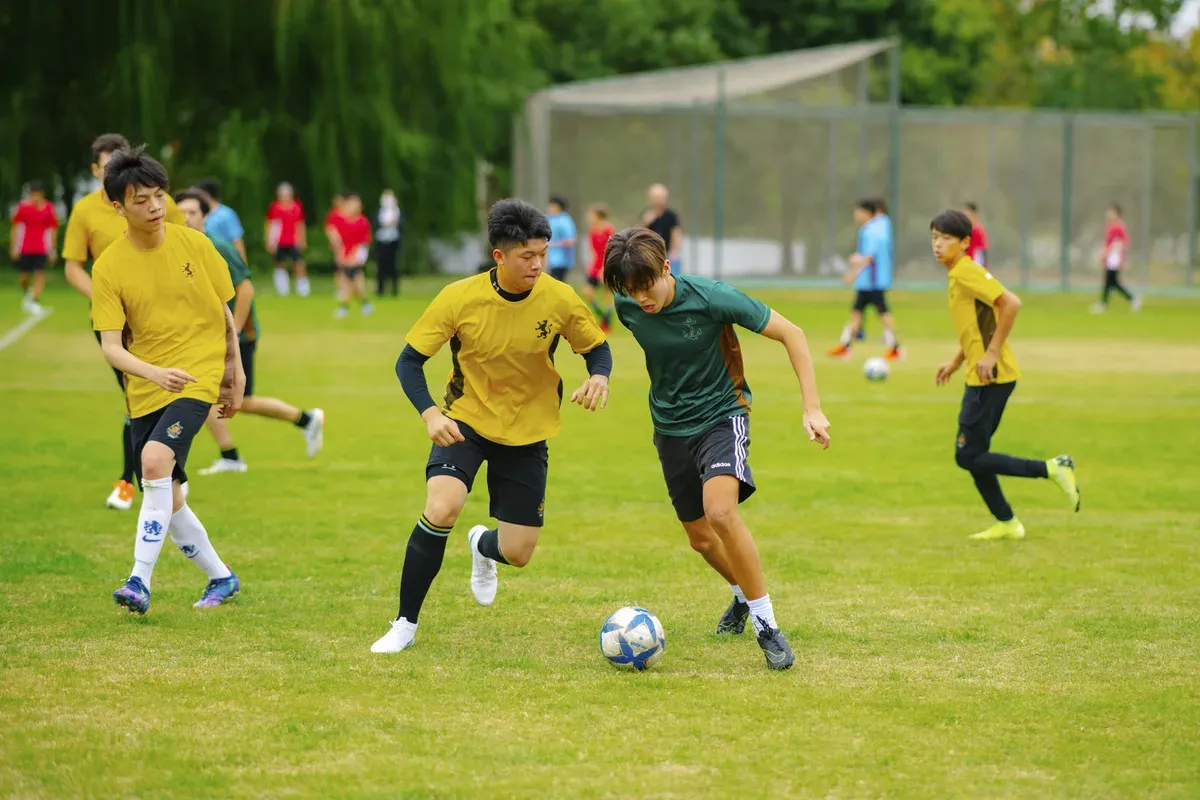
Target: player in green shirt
x=700, y=405
x=195, y=207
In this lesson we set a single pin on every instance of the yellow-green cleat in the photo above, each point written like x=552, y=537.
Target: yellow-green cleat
x=1013, y=529
x=1061, y=470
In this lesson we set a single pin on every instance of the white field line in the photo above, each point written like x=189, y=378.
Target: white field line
x=23, y=327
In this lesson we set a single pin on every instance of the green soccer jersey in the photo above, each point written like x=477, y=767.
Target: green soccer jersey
x=692, y=353
x=239, y=272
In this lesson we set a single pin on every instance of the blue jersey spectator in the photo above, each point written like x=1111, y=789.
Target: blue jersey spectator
x=562, y=238
x=875, y=242
x=871, y=271
x=222, y=221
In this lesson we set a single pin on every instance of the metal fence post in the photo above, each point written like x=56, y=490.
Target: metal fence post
x=894, y=158
x=831, y=200
x=1026, y=194
x=697, y=171
x=1193, y=198
x=1067, y=179
x=719, y=177
x=1147, y=200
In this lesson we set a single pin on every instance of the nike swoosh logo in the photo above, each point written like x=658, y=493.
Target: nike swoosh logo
x=152, y=541
x=776, y=658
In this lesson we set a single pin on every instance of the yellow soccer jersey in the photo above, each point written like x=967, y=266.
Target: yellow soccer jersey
x=503, y=382
x=973, y=292
x=172, y=299
x=94, y=225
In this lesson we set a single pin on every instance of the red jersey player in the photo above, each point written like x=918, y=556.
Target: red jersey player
x=1113, y=257
x=979, y=240
x=353, y=240
x=35, y=227
x=600, y=230
x=286, y=240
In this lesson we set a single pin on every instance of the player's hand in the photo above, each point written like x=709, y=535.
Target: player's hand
x=173, y=380
x=985, y=367
x=945, y=371
x=231, y=395
x=443, y=431
x=592, y=394
x=817, y=428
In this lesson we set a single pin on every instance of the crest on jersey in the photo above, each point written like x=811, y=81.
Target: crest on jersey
x=175, y=431
x=188, y=270
x=543, y=329
x=690, y=331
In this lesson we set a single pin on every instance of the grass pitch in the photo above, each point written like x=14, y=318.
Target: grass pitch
x=927, y=666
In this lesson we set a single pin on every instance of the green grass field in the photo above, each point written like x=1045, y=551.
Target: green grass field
x=927, y=666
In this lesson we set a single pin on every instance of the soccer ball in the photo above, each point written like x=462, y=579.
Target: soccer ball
x=876, y=369
x=632, y=638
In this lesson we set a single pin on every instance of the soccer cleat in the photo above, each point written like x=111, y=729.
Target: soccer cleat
x=303, y=287
x=121, y=497
x=218, y=591
x=225, y=465
x=1099, y=308
x=734, y=618
x=841, y=351
x=1061, y=470
x=340, y=312
x=1013, y=529
x=367, y=309
x=483, y=570
x=133, y=595
x=314, y=432
x=400, y=637
x=1136, y=304
x=775, y=647
x=895, y=354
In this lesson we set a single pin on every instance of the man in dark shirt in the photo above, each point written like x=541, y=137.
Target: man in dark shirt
x=665, y=222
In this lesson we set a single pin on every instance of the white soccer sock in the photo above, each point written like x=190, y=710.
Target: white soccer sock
x=153, y=520
x=303, y=287
x=847, y=335
x=737, y=592
x=281, y=281
x=189, y=535
x=760, y=611
x=889, y=338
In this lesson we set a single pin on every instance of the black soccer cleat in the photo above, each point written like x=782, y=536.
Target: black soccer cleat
x=775, y=647
x=734, y=618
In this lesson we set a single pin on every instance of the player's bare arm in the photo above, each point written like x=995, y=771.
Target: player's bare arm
x=113, y=347
x=783, y=330
x=949, y=368
x=233, y=383
x=242, y=302
x=271, y=244
x=858, y=262
x=1007, y=305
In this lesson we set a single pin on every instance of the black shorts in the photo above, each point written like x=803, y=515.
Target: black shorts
x=559, y=273
x=248, y=349
x=979, y=417
x=28, y=263
x=350, y=272
x=516, y=475
x=174, y=425
x=874, y=297
x=594, y=282
x=120, y=375
x=288, y=253
x=689, y=461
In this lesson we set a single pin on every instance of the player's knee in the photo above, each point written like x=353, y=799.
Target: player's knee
x=443, y=509
x=157, y=461
x=965, y=459
x=723, y=516
x=521, y=555
x=703, y=542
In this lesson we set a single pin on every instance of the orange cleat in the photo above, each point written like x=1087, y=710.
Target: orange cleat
x=841, y=351
x=122, y=496
x=895, y=354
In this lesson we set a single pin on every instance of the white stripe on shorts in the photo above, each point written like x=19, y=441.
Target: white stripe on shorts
x=739, y=446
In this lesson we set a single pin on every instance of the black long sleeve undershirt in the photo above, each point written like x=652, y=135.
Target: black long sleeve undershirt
x=599, y=360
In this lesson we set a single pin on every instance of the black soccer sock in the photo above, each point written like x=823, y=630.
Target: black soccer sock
x=230, y=455
x=422, y=560
x=127, y=470
x=304, y=420
x=489, y=545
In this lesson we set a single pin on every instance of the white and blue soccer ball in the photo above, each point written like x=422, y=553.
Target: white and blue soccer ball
x=876, y=369
x=632, y=638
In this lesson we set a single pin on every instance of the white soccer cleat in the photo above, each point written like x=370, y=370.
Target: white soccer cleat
x=340, y=312
x=282, y=282
x=303, y=287
x=1136, y=304
x=314, y=432
x=367, y=309
x=484, y=579
x=225, y=465
x=400, y=637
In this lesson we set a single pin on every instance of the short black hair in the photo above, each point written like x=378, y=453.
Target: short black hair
x=867, y=204
x=633, y=260
x=36, y=186
x=952, y=223
x=512, y=222
x=130, y=166
x=880, y=205
x=107, y=143
x=198, y=196
x=559, y=201
x=210, y=186
x=971, y=206
x=1116, y=209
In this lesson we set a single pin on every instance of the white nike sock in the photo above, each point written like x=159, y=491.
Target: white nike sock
x=281, y=281
x=189, y=535
x=303, y=287
x=737, y=592
x=847, y=335
x=153, y=520
x=889, y=338
x=761, y=611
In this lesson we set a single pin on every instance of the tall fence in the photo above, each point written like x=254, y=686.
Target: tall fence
x=767, y=190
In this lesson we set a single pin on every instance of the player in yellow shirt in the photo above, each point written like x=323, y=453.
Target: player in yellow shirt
x=983, y=313
x=93, y=225
x=501, y=405
x=158, y=302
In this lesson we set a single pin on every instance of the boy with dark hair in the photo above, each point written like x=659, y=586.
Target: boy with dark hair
x=286, y=240
x=871, y=273
x=983, y=313
x=222, y=221
x=353, y=243
x=700, y=405
x=195, y=207
x=600, y=230
x=34, y=230
x=501, y=405
x=562, y=238
x=1113, y=258
x=159, y=305
x=93, y=225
